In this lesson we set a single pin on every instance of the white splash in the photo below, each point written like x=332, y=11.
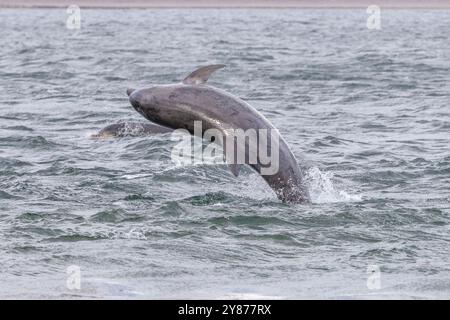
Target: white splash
x=136, y=176
x=323, y=190
x=133, y=233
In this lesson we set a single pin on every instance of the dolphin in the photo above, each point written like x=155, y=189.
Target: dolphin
x=180, y=105
x=130, y=129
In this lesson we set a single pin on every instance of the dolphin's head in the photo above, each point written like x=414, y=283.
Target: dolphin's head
x=160, y=105
x=147, y=103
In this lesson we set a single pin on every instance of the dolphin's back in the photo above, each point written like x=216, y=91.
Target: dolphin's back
x=217, y=105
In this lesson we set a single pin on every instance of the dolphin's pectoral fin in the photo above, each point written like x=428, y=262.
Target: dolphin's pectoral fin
x=202, y=74
x=231, y=150
x=234, y=167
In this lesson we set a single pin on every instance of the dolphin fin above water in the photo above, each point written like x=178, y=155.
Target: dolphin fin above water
x=201, y=75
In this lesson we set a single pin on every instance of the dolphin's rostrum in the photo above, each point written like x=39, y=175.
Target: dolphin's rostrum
x=178, y=106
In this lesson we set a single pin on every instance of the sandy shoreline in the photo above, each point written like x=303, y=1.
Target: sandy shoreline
x=225, y=4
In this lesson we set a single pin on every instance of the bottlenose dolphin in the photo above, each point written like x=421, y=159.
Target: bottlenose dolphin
x=130, y=129
x=178, y=106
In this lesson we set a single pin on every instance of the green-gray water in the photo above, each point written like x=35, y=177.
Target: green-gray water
x=366, y=112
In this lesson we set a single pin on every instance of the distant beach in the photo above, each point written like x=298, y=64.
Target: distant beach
x=227, y=3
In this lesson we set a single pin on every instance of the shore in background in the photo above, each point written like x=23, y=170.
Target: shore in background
x=227, y=3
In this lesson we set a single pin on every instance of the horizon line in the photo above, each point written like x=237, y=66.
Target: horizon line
x=57, y=6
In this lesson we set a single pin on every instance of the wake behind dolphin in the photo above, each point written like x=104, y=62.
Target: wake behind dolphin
x=183, y=105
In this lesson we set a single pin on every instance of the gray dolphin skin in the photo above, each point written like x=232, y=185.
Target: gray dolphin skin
x=177, y=106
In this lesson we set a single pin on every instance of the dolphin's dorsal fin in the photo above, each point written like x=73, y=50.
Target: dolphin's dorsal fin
x=202, y=74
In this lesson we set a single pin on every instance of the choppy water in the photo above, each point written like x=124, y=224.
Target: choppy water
x=365, y=111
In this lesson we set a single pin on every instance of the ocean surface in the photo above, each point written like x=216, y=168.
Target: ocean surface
x=366, y=112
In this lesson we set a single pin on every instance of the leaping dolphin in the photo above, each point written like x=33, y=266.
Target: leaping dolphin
x=178, y=106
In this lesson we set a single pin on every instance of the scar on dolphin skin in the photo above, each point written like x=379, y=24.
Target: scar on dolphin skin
x=181, y=105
